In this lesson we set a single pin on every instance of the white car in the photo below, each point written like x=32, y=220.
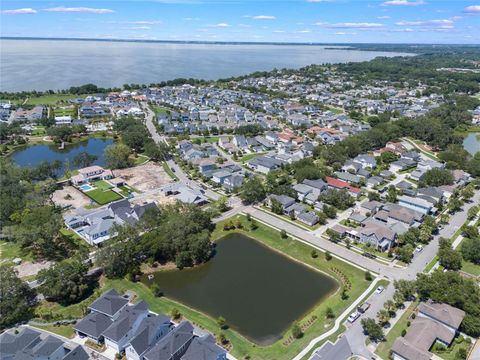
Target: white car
x=419, y=248
x=353, y=316
x=379, y=289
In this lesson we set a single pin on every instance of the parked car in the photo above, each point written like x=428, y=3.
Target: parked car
x=353, y=316
x=379, y=289
x=364, y=307
x=419, y=248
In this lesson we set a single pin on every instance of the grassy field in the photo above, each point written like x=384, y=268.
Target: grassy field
x=471, y=268
x=102, y=185
x=62, y=330
x=50, y=99
x=140, y=159
x=159, y=109
x=383, y=349
x=10, y=250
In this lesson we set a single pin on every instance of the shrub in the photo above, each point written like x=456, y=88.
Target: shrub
x=314, y=254
x=296, y=331
x=328, y=256
x=156, y=290
x=175, y=314
x=283, y=234
x=404, y=332
x=368, y=276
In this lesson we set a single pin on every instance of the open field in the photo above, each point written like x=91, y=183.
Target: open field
x=102, y=197
x=70, y=197
x=52, y=99
x=62, y=330
x=10, y=250
x=144, y=177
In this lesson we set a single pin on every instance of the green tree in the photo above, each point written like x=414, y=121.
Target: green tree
x=117, y=156
x=383, y=317
x=448, y=257
x=117, y=259
x=470, y=250
x=372, y=329
x=405, y=253
x=222, y=323
x=65, y=282
x=252, y=190
x=16, y=298
x=84, y=159
x=473, y=211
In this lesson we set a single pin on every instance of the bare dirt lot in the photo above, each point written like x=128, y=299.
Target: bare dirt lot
x=144, y=177
x=69, y=196
x=28, y=268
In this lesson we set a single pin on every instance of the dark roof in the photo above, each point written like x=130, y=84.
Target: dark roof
x=77, y=353
x=146, y=332
x=171, y=343
x=94, y=324
x=11, y=344
x=123, y=324
x=203, y=348
x=109, y=303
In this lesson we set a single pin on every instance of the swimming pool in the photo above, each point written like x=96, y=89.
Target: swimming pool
x=86, y=187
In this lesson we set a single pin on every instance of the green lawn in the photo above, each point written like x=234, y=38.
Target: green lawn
x=159, y=109
x=471, y=268
x=140, y=159
x=383, y=349
x=248, y=157
x=51, y=311
x=62, y=330
x=38, y=131
x=52, y=99
x=169, y=171
x=103, y=197
x=102, y=185
x=211, y=139
x=10, y=250
x=451, y=352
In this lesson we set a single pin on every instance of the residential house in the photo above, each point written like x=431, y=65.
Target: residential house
x=28, y=343
x=185, y=194
x=95, y=226
x=423, y=205
x=435, y=323
x=265, y=164
x=337, y=184
x=172, y=346
x=91, y=173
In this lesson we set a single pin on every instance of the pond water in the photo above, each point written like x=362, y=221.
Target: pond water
x=33, y=155
x=257, y=290
x=472, y=142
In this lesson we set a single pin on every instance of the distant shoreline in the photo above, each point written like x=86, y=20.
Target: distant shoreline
x=331, y=46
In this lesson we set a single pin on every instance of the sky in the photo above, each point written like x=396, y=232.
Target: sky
x=302, y=21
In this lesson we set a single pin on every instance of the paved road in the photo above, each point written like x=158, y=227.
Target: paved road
x=420, y=260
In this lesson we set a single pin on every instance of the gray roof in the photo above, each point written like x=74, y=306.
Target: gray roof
x=146, y=332
x=339, y=351
x=93, y=325
x=318, y=184
x=123, y=324
x=30, y=344
x=109, y=303
x=283, y=199
x=203, y=348
x=445, y=313
x=171, y=343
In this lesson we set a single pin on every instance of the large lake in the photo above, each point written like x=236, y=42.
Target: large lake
x=33, y=155
x=472, y=142
x=59, y=64
x=257, y=290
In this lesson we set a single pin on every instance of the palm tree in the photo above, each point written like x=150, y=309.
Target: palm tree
x=383, y=316
x=390, y=306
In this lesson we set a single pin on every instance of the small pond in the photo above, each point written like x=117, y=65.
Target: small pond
x=472, y=142
x=257, y=290
x=33, y=155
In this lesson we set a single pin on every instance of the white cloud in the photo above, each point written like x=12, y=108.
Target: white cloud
x=344, y=33
x=19, y=11
x=404, y=30
x=222, y=25
x=306, y=31
x=383, y=17
x=79, y=10
x=403, y=3
x=442, y=22
x=473, y=9
x=319, y=1
x=278, y=31
x=146, y=22
x=351, y=25
x=140, y=28
x=263, y=17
